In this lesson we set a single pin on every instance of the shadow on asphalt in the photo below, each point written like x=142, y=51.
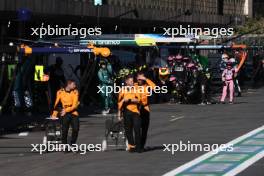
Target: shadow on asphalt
x=3, y=137
x=242, y=102
x=16, y=147
x=153, y=148
x=147, y=149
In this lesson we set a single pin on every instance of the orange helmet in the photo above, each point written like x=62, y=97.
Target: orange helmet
x=164, y=71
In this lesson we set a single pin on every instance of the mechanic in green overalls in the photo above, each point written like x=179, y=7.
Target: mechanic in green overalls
x=105, y=85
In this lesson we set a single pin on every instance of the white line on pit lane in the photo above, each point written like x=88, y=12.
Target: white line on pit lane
x=177, y=118
x=205, y=156
x=23, y=134
x=245, y=164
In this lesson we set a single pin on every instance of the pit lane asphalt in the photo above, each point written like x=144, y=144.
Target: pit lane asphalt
x=170, y=123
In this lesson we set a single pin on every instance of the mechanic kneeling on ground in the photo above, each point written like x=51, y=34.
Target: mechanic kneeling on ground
x=69, y=98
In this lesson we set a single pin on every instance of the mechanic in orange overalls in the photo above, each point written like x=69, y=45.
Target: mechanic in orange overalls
x=148, y=87
x=69, y=98
x=128, y=106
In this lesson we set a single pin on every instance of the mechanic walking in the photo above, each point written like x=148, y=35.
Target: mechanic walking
x=69, y=98
x=147, y=86
x=128, y=107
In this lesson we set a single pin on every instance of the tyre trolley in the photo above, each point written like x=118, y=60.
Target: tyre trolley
x=114, y=135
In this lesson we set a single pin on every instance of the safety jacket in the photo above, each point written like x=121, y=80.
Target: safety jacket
x=147, y=87
x=69, y=101
x=104, y=77
x=129, y=94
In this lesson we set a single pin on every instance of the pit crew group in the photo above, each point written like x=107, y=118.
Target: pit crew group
x=183, y=75
x=190, y=81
